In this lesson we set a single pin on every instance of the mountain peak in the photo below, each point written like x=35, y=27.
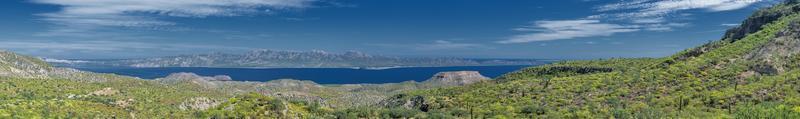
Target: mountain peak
x=319, y=51
x=353, y=53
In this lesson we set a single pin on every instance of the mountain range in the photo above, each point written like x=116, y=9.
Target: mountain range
x=293, y=59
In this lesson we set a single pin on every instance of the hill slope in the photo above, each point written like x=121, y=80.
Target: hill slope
x=31, y=88
x=754, y=72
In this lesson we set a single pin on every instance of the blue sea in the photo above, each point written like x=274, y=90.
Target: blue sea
x=319, y=75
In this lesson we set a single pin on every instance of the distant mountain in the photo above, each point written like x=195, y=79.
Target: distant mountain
x=32, y=88
x=294, y=59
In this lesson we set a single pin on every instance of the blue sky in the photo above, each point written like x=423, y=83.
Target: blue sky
x=549, y=29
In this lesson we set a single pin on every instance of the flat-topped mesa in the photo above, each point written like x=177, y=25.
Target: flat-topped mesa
x=456, y=78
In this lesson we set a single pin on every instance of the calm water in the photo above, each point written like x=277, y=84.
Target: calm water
x=319, y=75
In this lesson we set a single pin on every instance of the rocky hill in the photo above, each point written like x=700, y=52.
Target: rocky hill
x=753, y=72
x=343, y=96
x=456, y=78
x=31, y=88
x=21, y=66
x=12, y=64
x=292, y=59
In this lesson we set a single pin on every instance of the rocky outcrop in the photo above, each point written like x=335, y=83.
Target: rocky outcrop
x=441, y=79
x=760, y=18
x=199, y=103
x=20, y=66
x=456, y=78
x=775, y=56
x=750, y=25
x=105, y=92
x=12, y=64
x=222, y=78
x=291, y=83
x=124, y=103
x=405, y=101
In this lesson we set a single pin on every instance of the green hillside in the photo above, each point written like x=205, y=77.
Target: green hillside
x=752, y=72
x=30, y=88
x=755, y=76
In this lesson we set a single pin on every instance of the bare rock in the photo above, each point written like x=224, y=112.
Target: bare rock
x=124, y=103
x=104, y=92
x=222, y=78
x=199, y=103
x=456, y=78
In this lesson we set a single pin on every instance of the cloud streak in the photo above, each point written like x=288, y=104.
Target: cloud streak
x=567, y=29
x=84, y=15
x=49, y=47
x=625, y=16
x=659, y=9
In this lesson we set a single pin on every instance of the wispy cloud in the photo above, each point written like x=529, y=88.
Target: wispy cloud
x=57, y=46
x=660, y=8
x=659, y=15
x=567, y=29
x=78, y=16
x=625, y=16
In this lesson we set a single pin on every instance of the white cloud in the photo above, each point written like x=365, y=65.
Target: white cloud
x=567, y=29
x=40, y=46
x=627, y=16
x=648, y=8
x=658, y=9
x=83, y=15
x=649, y=20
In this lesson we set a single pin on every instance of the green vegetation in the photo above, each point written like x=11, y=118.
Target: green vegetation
x=754, y=76
x=58, y=98
x=254, y=105
x=730, y=80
